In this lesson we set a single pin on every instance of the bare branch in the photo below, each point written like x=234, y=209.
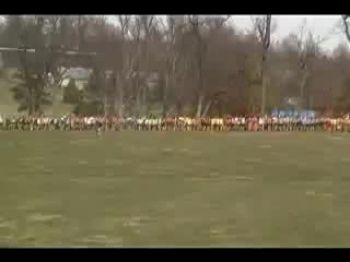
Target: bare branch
x=194, y=20
x=346, y=26
x=124, y=21
x=263, y=29
x=150, y=22
x=267, y=32
x=136, y=28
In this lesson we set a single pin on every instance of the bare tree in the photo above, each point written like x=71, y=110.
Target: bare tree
x=196, y=24
x=217, y=37
x=31, y=91
x=308, y=48
x=262, y=26
x=81, y=30
x=216, y=22
x=147, y=27
x=126, y=64
x=136, y=32
x=346, y=23
x=206, y=66
x=172, y=28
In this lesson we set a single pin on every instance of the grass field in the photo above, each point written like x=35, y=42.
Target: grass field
x=174, y=189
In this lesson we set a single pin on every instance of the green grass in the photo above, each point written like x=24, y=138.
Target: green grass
x=8, y=106
x=174, y=189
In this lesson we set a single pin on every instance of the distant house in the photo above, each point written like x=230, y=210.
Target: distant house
x=151, y=79
x=79, y=75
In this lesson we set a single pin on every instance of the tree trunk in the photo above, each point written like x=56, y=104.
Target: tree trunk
x=144, y=105
x=263, y=96
x=105, y=105
x=178, y=106
x=105, y=96
x=27, y=80
x=200, y=105
x=206, y=109
x=263, y=84
x=200, y=75
x=120, y=95
x=138, y=101
x=302, y=87
x=165, y=96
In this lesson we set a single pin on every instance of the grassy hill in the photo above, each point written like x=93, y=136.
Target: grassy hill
x=8, y=105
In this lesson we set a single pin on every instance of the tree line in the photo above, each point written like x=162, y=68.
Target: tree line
x=202, y=65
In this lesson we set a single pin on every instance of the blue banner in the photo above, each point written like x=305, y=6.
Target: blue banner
x=305, y=114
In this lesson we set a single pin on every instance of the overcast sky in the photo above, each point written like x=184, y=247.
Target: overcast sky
x=324, y=26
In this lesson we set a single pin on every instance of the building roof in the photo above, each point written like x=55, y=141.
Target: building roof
x=77, y=73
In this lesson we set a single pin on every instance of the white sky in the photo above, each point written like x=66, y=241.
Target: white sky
x=326, y=27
